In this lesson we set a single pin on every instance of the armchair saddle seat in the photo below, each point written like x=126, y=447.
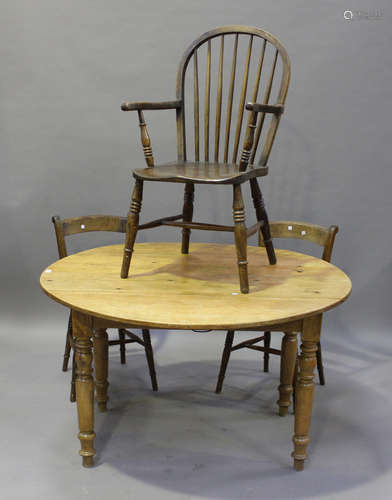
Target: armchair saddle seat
x=199, y=173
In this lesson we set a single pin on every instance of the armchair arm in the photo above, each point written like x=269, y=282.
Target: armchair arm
x=276, y=109
x=136, y=106
x=139, y=107
x=254, y=108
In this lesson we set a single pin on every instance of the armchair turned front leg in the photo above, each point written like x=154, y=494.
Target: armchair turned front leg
x=240, y=237
x=132, y=226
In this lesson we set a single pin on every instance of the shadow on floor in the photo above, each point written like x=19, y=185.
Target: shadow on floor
x=187, y=439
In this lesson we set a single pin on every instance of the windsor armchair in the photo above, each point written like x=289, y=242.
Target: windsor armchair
x=78, y=225
x=325, y=237
x=222, y=165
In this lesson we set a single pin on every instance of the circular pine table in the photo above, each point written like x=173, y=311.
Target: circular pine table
x=168, y=290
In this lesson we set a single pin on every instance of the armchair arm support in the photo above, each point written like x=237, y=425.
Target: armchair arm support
x=145, y=138
x=136, y=106
x=139, y=107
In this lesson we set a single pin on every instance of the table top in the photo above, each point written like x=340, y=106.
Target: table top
x=166, y=289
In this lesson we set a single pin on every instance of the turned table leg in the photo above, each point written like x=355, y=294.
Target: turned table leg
x=310, y=336
x=84, y=385
x=287, y=368
x=101, y=348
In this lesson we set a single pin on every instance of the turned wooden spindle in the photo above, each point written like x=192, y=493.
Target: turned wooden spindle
x=240, y=237
x=146, y=142
x=84, y=385
x=248, y=143
x=287, y=368
x=241, y=106
x=101, y=347
x=310, y=337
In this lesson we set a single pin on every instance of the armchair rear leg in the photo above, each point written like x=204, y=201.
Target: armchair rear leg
x=261, y=215
x=240, y=237
x=132, y=226
x=187, y=215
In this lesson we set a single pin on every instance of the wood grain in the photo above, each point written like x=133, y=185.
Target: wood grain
x=169, y=289
x=199, y=173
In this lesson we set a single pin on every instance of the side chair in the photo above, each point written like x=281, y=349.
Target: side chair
x=325, y=237
x=78, y=225
x=262, y=67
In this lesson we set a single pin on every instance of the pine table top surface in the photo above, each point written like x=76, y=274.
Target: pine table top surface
x=168, y=290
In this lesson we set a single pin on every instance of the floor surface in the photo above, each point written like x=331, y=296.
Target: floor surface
x=186, y=442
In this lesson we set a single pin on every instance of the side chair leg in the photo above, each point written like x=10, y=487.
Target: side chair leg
x=320, y=366
x=132, y=226
x=121, y=336
x=225, y=360
x=295, y=380
x=187, y=215
x=101, y=362
x=67, y=350
x=267, y=344
x=72, y=396
x=261, y=215
x=240, y=237
x=150, y=358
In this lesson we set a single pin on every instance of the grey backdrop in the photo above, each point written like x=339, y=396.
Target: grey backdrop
x=67, y=149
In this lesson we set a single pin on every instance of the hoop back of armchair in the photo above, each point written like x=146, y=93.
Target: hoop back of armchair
x=263, y=76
